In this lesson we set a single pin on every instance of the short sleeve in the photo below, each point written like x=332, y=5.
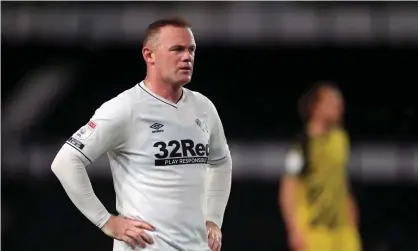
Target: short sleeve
x=218, y=146
x=105, y=131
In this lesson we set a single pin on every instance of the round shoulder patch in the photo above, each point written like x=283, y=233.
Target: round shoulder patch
x=86, y=130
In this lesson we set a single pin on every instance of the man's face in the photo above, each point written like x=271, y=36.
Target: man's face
x=330, y=106
x=174, y=53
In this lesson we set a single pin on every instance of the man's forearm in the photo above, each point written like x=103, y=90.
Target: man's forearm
x=218, y=190
x=71, y=172
x=287, y=203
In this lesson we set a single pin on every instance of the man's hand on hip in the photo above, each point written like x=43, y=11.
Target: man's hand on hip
x=214, y=236
x=127, y=230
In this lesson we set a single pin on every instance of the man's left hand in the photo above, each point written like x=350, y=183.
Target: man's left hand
x=214, y=236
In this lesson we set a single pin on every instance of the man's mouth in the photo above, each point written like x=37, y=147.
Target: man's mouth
x=186, y=68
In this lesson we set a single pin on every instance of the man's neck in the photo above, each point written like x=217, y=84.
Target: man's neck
x=316, y=128
x=170, y=92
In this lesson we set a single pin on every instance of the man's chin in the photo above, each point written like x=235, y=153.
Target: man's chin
x=185, y=80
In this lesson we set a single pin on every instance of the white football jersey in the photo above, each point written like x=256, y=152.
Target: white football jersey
x=158, y=153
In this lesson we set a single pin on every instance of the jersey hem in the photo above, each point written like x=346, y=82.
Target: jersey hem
x=218, y=161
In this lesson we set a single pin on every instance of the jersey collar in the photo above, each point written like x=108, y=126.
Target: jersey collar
x=156, y=96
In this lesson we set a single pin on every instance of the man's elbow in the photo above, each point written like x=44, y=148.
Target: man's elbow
x=288, y=182
x=64, y=159
x=287, y=187
x=54, y=166
x=57, y=163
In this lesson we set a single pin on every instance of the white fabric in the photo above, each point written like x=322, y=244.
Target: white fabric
x=293, y=162
x=219, y=187
x=158, y=154
x=70, y=170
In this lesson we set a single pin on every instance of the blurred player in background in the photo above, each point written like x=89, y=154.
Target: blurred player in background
x=160, y=139
x=318, y=209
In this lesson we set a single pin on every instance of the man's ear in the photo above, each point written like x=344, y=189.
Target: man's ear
x=148, y=55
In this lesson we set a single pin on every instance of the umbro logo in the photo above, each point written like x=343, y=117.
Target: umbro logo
x=156, y=127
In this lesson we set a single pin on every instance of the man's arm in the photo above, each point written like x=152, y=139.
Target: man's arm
x=107, y=130
x=294, y=164
x=287, y=202
x=219, y=173
x=218, y=190
x=287, y=191
x=102, y=133
x=70, y=169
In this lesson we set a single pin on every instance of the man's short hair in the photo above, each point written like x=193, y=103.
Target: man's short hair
x=310, y=97
x=155, y=27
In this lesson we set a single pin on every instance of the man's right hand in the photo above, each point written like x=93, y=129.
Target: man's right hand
x=297, y=241
x=127, y=230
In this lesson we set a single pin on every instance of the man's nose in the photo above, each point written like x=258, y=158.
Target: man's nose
x=187, y=57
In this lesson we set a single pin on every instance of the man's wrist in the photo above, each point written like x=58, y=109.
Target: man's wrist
x=105, y=220
x=213, y=222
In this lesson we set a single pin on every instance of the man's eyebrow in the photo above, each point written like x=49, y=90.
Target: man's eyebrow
x=193, y=46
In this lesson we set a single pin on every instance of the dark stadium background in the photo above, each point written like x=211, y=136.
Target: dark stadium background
x=253, y=75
